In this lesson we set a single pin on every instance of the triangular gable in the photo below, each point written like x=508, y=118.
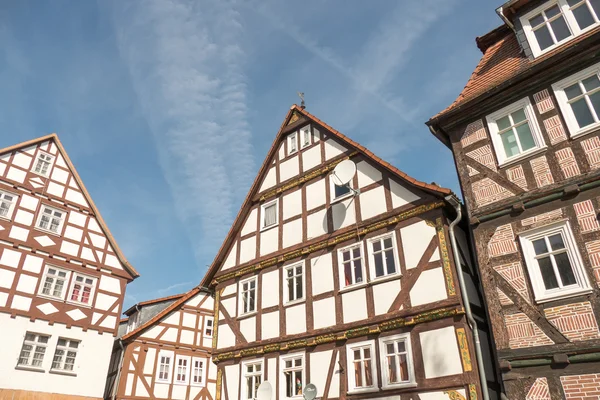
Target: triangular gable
x=63, y=184
x=263, y=186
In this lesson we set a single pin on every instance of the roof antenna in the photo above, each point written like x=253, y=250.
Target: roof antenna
x=301, y=95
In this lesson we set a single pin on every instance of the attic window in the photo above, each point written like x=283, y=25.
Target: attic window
x=305, y=136
x=43, y=163
x=269, y=214
x=554, y=23
x=292, y=143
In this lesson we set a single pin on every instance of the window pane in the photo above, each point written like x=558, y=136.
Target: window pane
x=392, y=369
x=539, y=246
x=389, y=261
x=346, y=255
x=591, y=83
x=583, y=16
x=356, y=252
x=341, y=190
x=596, y=6
x=377, y=246
x=503, y=123
x=510, y=144
x=525, y=137
x=582, y=113
x=378, y=264
x=552, y=11
x=357, y=374
x=595, y=100
x=560, y=28
x=299, y=293
x=573, y=91
x=368, y=377
x=358, y=270
x=535, y=21
x=543, y=37
x=518, y=116
x=387, y=243
x=291, y=290
x=556, y=242
x=403, y=367
x=401, y=347
x=390, y=348
x=547, y=271
x=564, y=269
x=347, y=273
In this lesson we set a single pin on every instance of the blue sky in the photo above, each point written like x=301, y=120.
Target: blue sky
x=168, y=107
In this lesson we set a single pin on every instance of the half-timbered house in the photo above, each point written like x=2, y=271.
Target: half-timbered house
x=62, y=278
x=352, y=288
x=165, y=350
x=524, y=133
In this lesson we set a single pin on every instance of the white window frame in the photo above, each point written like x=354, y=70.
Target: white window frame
x=53, y=209
x=292, y=137
x=342, y=197
x=186, y=377
x=206, y=327
x=37, y=160
x=11, y=208
x=202, y=375
x=171, y=355
x=66, y=284
x=370, y=241
x=283, y=369
x=72, y=288
x=241, y=295
x=567, y=112
x=352, y=388
x=286, y=294
x=409, y=360
x=537, y=283
x=35, y=344
x=244, y=375
x=66, y=349
x=540, y=144
x=342, y=274
x=569, y=19
x=302, y=135
x=262, y=214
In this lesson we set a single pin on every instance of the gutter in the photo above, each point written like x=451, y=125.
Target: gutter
x=500, y=12
x=118, y=378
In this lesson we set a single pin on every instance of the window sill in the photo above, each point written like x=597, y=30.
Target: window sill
x=39, y=174
x=60, y=372
x=294, y=303
x=586, y=131
x=522, y=156
x=76, y=303
x=563, y=295
x=399, y=385
x=46, y=296
x=386, y=278
x=247, y=315
x=9, y=219
x=266, y=228
x=166, y=382
x=29, y=368
x=181, y=383
x=355, y=286
x=341, y=198
x=365, y=390
x=49, y=232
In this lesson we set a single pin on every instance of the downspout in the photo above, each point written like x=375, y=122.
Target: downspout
x=500, y=12
x=453, y=201
x=116, y=385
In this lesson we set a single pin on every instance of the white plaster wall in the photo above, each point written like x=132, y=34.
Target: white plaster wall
x=322, y=273
x=311, y=158
x=401, y=195
x=429, y=287
x=440, y=352
x=289, y=168
x=251, y=222
x=170, y=335
x=415, y=239
x=270, y=325
x=226, y=337
x=384, y=295
x=324, y=313
x=344, y=213
x=232, y=372
x=319, y=367
x=248, y=328
x=315, y=194
x=292, y=233
x=316, y=224
x=439, y=395
x=269, y=241
x=334, y=388
x=292, y=204
x=372, y=203
x=269, y=181
x=333, y=148
x=272, y=375
x=229, y=306
x=150, y=361
x=248, y=249
x=367, y=174
x=354, y=305
x=229, y=289
x=91, y=367
x=270, y=292
x=295, y=319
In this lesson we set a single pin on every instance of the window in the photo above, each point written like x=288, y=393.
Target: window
x=33, y=350
x=294, y=282
x=197, y=372
x=292, y=143
x=164, y=366
x=514, y=131
x=361, y=374
x=351, y=264
x=51, y=219
x=269, y=213
x=43, y=163
x=339, y=191
x=579, y=100
x=7, y=202
x=182, y=371
x=305, y=136
x=382, y=256
x=553, y=262
x=293, y=373
x=252, y=375
x=208, y=326
x=554, y=23
x=396, y=361
x=248, y=295
x=82, y=289
x=65, y=354
x=54, y=282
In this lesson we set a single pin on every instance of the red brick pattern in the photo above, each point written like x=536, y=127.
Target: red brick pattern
x=586, y=216
x=517, y=176
x=502, y=241
x=474, y=132
x=486, y=191
x=555, y=129
x=483, y=155
x=581, y=387
x=541, y=171
x=522, y=332
x=541, y=219
x=543, y=101
x=539, y=390
x=575, y=321
x=504, y=300
x=591, y=148
x=593, y=250
x=472, y=171
x=513, y=273
x=567, y=162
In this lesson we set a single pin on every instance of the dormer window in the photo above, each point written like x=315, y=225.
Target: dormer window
x=554, y=23
x=42, y=165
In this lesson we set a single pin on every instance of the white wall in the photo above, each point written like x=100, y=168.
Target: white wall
x=91, y=366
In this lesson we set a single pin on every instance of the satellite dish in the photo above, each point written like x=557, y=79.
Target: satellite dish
x=264, y=392
x=310, y=392
x=344, y=172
